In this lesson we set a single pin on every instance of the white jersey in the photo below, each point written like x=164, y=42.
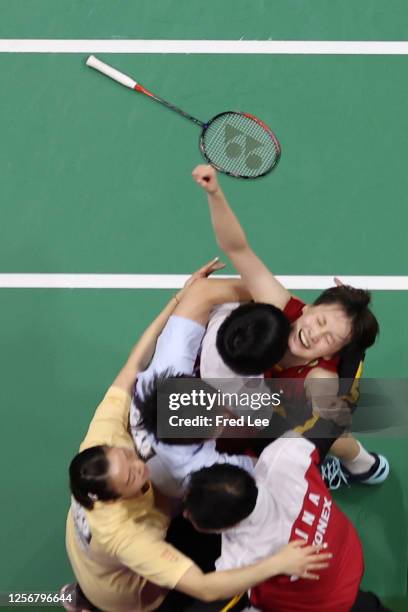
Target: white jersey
x=213, y=369
x=282, y=486
x=294, y=504
x=171, y=464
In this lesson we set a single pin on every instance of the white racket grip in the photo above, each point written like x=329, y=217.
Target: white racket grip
x=114, y=74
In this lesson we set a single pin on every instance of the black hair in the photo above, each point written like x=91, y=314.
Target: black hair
x=354, y=302
x=88, y=477
x=253, y=338
x=220, y=496
x=155, y=394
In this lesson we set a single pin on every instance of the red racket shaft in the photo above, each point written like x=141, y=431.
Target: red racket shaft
x=127, y=81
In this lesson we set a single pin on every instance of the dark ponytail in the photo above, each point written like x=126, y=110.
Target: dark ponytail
x=88, y=477
x=355, y=302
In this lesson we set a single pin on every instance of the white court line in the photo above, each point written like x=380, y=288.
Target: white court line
x=285, y=47
x=175, y=281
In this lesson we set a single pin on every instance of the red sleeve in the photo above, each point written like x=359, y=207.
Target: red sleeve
x=293, y=309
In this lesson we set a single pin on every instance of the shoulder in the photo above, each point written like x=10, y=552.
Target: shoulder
x=319, y=372
x=110, y=420
x=321, y=384
x=288, y=447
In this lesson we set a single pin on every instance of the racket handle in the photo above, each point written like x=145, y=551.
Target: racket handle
x=123, y=79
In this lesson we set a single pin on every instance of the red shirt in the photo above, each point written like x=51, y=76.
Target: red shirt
x=319, y=520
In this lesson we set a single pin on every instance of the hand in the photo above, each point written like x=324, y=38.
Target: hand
x=203, y=272
x=296, y=559
x=206, y=177
x=206, y=270
x=338, y=282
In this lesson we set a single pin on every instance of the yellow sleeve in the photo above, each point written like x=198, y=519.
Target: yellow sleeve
x=151, y=557
x=110, y=423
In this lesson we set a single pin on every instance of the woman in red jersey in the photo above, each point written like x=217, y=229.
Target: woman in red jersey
x=320, y=332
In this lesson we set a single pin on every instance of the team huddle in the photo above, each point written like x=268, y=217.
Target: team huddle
x=213, y=523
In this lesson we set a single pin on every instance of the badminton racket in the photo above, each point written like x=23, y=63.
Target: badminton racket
x=235, y=143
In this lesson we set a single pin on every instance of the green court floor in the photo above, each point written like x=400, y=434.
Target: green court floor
x=231, y=19
x=94, y=175
x=97, y=179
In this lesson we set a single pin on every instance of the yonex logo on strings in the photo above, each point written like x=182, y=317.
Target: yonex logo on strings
x=234, y=148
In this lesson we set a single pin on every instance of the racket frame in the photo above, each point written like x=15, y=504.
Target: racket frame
x=236, y=174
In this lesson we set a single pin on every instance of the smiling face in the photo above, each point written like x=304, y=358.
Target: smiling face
x=127, y=473
x=321, y=331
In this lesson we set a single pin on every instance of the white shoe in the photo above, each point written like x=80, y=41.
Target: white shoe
x=377, y=473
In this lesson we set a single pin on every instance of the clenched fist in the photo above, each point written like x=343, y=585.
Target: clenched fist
x=206, y=177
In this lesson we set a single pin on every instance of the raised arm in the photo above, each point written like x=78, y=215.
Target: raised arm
x=143, y=350
x=205, y=293
x=262, y=284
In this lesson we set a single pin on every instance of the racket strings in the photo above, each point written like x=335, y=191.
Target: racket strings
x=238, y=144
